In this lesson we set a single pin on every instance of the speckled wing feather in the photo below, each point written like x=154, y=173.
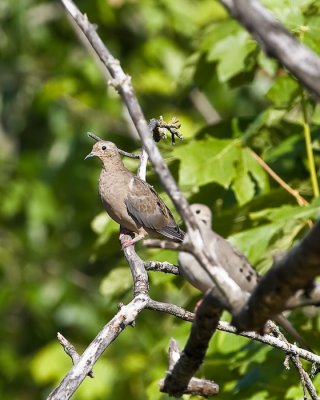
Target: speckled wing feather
x=147, y=209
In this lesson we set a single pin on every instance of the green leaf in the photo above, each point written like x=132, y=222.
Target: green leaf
x=250, y=178
x=117, y=282
x=261, y=243
x=226, y=163
x=289, y=212
x=254, y=243
x=311, y=33
x=205, y=161
x=294, y=392
x=289, y=12
x=231, y=63
x=269, y=65
x=284, y=91
x=49, y=363
x=243, y=187
x=101, y=387
x=103, y=226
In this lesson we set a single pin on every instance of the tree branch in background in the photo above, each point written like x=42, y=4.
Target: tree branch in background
x=300, y=200
x=277, y=42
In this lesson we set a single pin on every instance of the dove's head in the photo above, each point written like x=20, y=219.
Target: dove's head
x=103, y=150
x=202, y=213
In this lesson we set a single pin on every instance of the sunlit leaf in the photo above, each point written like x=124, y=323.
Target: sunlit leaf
x=282, y=93
x=232, y=62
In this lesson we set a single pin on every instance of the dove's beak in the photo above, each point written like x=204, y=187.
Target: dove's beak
x=92, y=154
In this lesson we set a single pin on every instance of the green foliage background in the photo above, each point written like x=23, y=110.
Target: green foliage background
x=60, y=261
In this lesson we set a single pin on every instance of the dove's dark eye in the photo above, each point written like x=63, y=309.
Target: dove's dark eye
x=104, y=147
x=197, y=211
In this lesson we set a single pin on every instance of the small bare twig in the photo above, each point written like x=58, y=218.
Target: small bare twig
x=204, y=106
x=165, y=267
x=306, y=383
x=158, y=128
x=300, y=200
x=124, y=153
x=129, y=155
x=94, y=137
x=71, y=351
x=172, y=309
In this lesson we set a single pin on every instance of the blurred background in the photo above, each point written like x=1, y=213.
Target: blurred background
x=60, y=261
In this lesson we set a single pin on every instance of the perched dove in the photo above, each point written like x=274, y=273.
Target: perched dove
x=130, y=201
x=232, y=260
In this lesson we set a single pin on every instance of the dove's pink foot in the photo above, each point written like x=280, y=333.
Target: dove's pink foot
x=128, y=242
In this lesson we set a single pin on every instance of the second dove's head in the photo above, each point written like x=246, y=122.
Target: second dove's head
x=103, y=149
x=202, y=213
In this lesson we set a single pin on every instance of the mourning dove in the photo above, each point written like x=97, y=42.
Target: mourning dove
x=228, y=257
x=130, y=201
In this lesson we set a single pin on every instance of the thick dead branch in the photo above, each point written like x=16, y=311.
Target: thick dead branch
x=296, y=271
x=196, y=386
x=278, y=42
x=205, y=324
